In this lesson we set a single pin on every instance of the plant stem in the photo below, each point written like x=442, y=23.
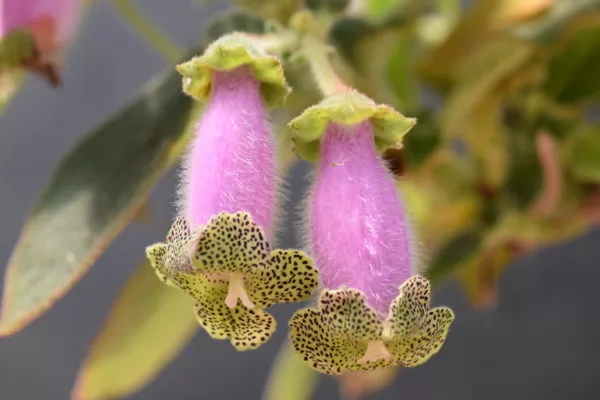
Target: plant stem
x=276, y=43
x=318, y=56
x=146, y=29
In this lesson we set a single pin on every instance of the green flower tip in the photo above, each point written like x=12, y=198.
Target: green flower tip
x=343, y=333
x=230, y=52
x=347, y=108
x=229, y=270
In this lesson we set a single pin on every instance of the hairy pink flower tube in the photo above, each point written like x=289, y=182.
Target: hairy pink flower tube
x=374, y=310
x=358, y=229
x=232, y=163
x=218, y=250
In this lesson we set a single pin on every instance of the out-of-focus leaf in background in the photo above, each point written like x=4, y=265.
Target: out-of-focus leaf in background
x=424, y=139
x=463, y=246
x=573, y=71
x=290, y=377
x=480, y=23
x=280, y=10
x=97, y=189
x=473, y=110
x=524, y=177
x=560, y=19
x=148, y=325
x=583, y=154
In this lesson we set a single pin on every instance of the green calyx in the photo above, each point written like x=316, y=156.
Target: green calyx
x=228, y=53
x=348, y=108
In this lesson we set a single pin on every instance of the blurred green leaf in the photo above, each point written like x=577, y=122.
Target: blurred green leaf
x=525, y=176
x=562, y=14
x=479, y=276
x=290, y=377
x=482, y=74
x=97, y=189
x=480, y=24
x=148, y=325
x=583, y=154
x=233, y=21
x=422, y=140
x=486, y=139
x=401, y=73
x=366, y=47
x=332, y=6
x=382, y=8
x=454, y=253
x=279, y=10
x=573, y=71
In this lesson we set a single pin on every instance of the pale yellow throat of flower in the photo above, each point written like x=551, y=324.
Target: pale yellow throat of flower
x=237, y=290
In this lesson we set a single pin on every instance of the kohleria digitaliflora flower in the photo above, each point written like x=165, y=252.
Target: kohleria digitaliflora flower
x=229, y=199
x=32, y=32
x=373, y=311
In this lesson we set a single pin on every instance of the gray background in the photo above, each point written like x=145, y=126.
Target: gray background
x=541, y=342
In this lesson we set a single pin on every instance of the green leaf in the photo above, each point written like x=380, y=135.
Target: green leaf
x=148, y=325
x=401, y=73
x=97, y=189
x=422, y=140
x=572, y=72
x=455, y=253
x=583, y=154
x=234, y=21
x=379, y=9
x=525, y=176
x=332, y=6
x=290, y=377
x=483, y=73
x=278, y=10
x=555, y=22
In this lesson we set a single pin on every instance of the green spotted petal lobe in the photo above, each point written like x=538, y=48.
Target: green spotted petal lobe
x=326, y=351
x=288, y=276
x=246, y=329
x=345, y=311
x=156, y=255
x=414, y=350
x=179, y=231
x=408, y=311
x=179, y=242
x=230, y=243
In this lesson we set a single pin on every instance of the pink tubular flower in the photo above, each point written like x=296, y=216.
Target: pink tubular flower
x=32, y=32
x=218, y=249
x=373, y=311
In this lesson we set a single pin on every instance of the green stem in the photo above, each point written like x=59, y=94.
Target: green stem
x=277, y=43
x=318, y=55
x=146, y=29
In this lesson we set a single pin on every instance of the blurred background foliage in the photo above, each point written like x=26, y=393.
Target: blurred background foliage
x=505, y=158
